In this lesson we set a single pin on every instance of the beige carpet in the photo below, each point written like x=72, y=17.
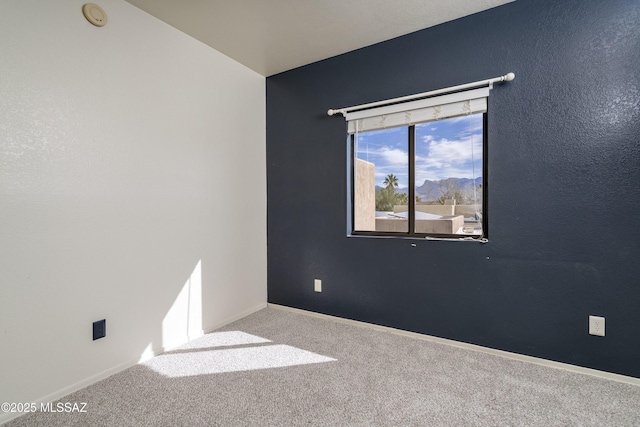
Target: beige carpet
x=278, y=368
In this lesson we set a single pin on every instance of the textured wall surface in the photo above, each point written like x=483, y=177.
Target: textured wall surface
x=563, y=194
x=132, y=188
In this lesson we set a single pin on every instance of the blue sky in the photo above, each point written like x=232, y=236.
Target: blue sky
x=444, y=149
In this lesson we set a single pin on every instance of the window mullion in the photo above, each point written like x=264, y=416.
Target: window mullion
x=354, y=151
x=412, y=183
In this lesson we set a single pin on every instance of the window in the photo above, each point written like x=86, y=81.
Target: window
x=420, y=171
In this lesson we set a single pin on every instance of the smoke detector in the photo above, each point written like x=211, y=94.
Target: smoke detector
x=94, y=14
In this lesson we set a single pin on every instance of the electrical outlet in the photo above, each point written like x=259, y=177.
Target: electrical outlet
x=317, y=285
x=99, y=329
x=596, y=326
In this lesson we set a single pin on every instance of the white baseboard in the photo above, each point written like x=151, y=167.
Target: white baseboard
x=59, y=394
x=6, y=417
x=473, y=347
x=238, y=316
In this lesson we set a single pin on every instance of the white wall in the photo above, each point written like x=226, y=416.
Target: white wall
x=132, y=160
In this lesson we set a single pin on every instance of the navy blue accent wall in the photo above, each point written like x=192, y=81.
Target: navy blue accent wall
x=563, y=186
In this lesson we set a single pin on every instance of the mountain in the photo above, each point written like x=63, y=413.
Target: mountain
x=433, y=190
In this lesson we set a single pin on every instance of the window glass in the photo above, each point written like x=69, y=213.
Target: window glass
x=448, y=172
x=381, y=178
x=425, y=179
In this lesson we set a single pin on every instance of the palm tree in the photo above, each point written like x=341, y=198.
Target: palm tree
x=391, y=181
x=402, y=198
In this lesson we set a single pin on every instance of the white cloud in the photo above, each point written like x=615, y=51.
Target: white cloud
x=386, y=154
x=446, y=158
x=394, y=156
x=427, y=138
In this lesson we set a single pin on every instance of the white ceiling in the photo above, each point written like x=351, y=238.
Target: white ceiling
x=271, y=36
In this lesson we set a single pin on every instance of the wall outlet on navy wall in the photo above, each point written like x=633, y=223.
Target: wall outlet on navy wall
x=596, y=325
x=99, y=329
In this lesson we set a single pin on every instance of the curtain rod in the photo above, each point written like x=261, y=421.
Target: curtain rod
x=506, y=78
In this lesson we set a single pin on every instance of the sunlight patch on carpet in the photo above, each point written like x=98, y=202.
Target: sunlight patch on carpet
x=204, y=357
x=224, y=339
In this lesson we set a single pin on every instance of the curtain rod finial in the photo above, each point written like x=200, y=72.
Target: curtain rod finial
x=330, y=112
x=509, y=77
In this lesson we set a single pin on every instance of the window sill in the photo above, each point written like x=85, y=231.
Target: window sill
x=419, y=238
